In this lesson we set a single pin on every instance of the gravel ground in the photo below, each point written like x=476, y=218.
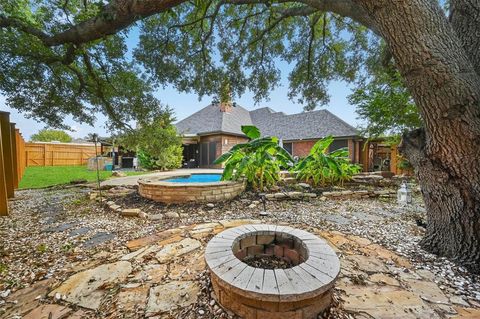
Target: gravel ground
x=52, y=231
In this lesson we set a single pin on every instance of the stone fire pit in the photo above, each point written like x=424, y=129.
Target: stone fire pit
x=301, y=290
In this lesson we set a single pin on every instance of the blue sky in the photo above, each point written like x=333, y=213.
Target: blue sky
x=185, y=104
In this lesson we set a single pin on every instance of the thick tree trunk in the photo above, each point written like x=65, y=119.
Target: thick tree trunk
x=446, y=153
x=453, y=211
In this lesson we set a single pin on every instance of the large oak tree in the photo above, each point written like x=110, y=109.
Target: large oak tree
x=68, y=57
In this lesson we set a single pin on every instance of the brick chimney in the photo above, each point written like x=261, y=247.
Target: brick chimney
x=225, y=98
x=225, y=107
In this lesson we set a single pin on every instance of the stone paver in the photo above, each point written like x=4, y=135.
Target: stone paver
x=50, y=311
x=86, y=288
x=170, y=296
x=170, y=251
x=26, y=299
x=133, y=298
x=98, y=239
x=386, y=303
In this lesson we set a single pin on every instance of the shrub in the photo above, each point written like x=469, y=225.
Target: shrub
x=323, y=168
x=170, y=158
x=156, y=142
x=259, y=161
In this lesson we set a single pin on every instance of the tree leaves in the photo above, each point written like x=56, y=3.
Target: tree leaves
x=383, y=101
x=49, y=135
x=157, y=140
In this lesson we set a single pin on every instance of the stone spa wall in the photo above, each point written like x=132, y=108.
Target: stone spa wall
x=169, y=193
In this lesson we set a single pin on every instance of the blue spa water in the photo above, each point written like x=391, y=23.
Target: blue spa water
x=196, y=178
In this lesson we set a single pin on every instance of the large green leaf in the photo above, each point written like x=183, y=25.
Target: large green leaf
x=251, y=131
x=322, y=145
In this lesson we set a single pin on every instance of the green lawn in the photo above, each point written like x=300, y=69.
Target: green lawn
x=44, y=176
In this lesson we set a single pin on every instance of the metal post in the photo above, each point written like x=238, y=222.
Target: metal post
x=95, y=137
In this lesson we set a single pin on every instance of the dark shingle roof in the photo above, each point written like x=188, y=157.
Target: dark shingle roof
x=210, y=119
x=306, y=125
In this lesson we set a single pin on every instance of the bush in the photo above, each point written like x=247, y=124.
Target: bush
x=170, y=158
x=156, y=142
x=322, y=168
x=259, y=161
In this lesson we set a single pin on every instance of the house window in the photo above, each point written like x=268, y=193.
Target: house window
x=288, y=147
x=338, y=144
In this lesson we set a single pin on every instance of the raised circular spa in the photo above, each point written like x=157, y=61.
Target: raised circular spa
x=189, y=188
x=269, y=271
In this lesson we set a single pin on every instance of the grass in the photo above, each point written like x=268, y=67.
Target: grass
x=45, y=176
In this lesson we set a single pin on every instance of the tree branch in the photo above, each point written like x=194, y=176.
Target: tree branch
x=344, y=8
x=114, y=17
x=119, y=14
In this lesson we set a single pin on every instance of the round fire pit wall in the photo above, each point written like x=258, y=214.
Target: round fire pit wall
x=300, y=289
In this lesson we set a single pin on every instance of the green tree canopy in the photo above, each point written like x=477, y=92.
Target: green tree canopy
x=49, y=135
x=383, y=101
x=156, y=140
x=48, y=72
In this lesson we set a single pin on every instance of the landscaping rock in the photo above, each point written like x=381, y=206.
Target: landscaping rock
x=304, y=185
x=130, y=212
x=115, y=207
x=118, y=174
x=172, y=215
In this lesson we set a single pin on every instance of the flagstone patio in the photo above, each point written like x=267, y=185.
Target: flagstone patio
x=164, y=276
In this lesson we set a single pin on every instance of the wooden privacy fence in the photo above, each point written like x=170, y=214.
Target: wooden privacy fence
x=58, y=154
x=12, y=163
x=376, y=152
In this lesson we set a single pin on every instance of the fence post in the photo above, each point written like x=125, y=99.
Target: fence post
x=7, y=153
x=44, y=154
x=3, y=187
x=13, y=140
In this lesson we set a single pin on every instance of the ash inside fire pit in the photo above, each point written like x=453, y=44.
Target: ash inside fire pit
x=267, y=262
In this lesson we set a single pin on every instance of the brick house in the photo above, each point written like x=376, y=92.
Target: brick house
x=215, y=129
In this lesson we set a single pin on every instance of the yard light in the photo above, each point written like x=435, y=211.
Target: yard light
x=263, y=198
x=404, y=195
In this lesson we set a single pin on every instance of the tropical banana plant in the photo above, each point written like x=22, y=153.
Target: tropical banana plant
x=258, y=161
x=321, y=168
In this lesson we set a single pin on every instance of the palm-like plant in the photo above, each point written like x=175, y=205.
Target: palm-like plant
x=259, y=161
x=323, y=168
